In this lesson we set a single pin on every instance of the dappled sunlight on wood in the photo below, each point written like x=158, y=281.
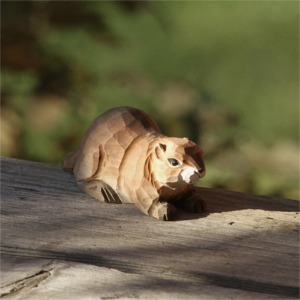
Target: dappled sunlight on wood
x=58, y=241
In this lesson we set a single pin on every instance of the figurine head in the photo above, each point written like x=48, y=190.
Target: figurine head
x=175, y=163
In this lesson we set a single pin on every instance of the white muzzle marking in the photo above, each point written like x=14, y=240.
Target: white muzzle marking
x=190, y=175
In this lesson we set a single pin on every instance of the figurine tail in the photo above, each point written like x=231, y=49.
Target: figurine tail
x=69, y=161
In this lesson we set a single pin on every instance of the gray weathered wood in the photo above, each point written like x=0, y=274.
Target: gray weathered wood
x=58, y=243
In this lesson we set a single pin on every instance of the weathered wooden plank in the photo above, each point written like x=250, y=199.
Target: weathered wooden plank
x=244, y=246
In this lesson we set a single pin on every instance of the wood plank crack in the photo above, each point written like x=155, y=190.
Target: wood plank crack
x=26, y=283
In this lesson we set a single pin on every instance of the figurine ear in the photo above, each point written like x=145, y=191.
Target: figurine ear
x=163, y=147
x=159, y=150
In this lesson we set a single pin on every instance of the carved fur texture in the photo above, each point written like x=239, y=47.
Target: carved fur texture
x=124, y=158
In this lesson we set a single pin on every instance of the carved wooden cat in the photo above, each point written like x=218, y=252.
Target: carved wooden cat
x=124, y=158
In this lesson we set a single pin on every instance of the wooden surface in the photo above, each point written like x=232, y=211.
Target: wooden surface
x=58, y=243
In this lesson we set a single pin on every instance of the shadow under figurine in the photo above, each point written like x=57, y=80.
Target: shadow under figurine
x=124, y=158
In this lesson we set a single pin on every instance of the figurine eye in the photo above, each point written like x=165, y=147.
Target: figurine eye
x=173, y=162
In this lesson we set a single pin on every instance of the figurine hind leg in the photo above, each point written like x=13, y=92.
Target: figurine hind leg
x=99, y=190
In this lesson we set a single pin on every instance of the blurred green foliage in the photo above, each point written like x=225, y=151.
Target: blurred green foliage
x=224, y=73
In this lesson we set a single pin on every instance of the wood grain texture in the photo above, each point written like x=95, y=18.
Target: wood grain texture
x=59, y=243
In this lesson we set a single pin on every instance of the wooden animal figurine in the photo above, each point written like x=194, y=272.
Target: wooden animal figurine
x=124, y=158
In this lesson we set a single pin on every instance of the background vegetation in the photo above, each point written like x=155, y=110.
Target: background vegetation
x=223, y=73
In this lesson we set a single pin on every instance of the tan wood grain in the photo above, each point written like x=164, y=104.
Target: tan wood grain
x=243, y=247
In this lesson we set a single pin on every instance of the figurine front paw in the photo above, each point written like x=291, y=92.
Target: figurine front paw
x=167, y=212
x=192, y=203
